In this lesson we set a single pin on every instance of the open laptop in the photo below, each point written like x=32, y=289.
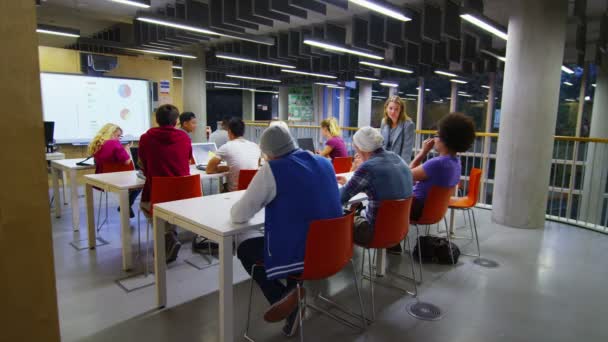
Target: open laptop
x=135, y=156
x=306, y=144
x=202, y=153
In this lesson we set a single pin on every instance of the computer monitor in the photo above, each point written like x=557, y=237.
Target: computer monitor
x=307, y=144
x=49, y=132
x=135, y=156
x=203, y=152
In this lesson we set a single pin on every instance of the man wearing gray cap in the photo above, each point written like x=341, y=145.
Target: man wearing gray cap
x=296, y=188
x=382, y=175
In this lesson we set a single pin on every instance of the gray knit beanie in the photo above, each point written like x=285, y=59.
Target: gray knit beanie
x=276, y=141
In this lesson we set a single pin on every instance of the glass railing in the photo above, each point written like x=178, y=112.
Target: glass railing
x=578, y=186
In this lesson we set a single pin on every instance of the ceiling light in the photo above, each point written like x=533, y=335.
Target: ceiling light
x=254, y=78
x=375, y=91
x=365, y=78
x=136, y=3
x=333, y=47
x=232, y=57
x=265, y=91
x=381, y=9
x=379, y=97
x=222, y=83
x=567, y=70
x=475, y=101
x=570, y=100
x=465, y=95
x=164, y=53
x=376, y=99
x=58, y=31
x=179, y=67
x=493, y=54
x=568, y=84
x=410, y=99
x=250, y=89
x=593, y=85
x=587, y=98
x=307, y=73
x=485, y=86
x=427, y=89
x=177, y=78
x=440, y=101
x=329, y=85
x=400, y=92
x=483, y=24
x=387, y=67
x=445, y=73
x=415, y=95
x=389, y=84
x=458, y=81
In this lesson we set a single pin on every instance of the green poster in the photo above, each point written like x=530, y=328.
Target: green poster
x=300, y=104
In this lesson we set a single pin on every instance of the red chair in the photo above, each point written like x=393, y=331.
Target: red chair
x=467, y=204
x=435, y=207
x=168, y=189
x=342, y=164
x=245, y=177
x=329, y=247
x=108, y=168
x=391, y=227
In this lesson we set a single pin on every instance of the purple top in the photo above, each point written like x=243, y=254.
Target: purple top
x=441, y=171
x=338, y=147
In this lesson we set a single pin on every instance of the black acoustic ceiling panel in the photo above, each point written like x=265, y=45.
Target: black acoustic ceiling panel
x=426, y=53
x=454, y=50
x=431, y=19
x=400, y=56
x=216, y=17
x=310, y=5
x=295, y=41
x=262, y=8
x=412, y=30
x=393, y=32
x=230, y=16
x=283, y=6
x=451, y=20
x=343, y=4
x=244, y=12
x=413, y=54
x=467, y=67
x=469, y=47
x=197, y=13
x=359, y=30
x=440, y=57
x=305, y=49
x=283, y=45
x=334, y=33
x=376, y=31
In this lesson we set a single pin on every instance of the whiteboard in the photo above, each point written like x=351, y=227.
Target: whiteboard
x=81, y=105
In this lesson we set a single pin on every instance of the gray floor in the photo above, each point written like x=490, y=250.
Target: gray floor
x=551, y=285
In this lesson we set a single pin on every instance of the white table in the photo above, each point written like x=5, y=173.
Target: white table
x=68, y=166
x=55, y=156
x=121, y=183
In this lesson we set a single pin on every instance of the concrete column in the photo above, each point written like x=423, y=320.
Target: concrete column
x=248, y=105
x=29, y=295
x=342, y=107
x=283, y=103
x=420, y=111
x=596, y=165
x=329, y=102
x=487, y=141
x=364, y=115
x=537, y=32
x=195, y=92
x=453, y=97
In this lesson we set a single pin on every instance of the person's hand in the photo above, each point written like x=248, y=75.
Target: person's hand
x=428, y=144
x=357, y=161
x=341, y=180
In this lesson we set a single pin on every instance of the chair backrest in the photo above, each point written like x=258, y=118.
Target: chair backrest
x=435, y=205
x=474, y=182
x=116, y=167
x=392, y=223
x=245, y=177
x=342, y=164
x=329, y=247
x=167, y=189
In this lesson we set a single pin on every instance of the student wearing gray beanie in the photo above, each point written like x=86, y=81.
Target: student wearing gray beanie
x=295, y=187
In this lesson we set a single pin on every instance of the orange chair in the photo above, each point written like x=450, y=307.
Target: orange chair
x=467, y=204
x=245, y=177
x=329, y=247
x=168, y=189
x=435, y=207
x=342, y=164
x=391, y=227
x=108, y=168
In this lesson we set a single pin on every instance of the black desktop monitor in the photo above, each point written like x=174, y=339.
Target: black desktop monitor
x=306, y=144
x=49, y=130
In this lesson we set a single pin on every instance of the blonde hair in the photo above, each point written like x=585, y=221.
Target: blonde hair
x=332, y=126
x=402, y=115
x=105, y=133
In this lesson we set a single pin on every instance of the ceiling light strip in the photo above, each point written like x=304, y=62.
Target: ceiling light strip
x=389, y=12
x=387, y=67
x=338, y=48
x=299, y=72
x=237, y=58
x=253, y=78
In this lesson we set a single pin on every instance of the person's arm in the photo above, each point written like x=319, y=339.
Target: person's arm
x=358, y=183
x=141, y=160
x=418, y=174
x=408, y=141
x=261, y=191
x=326, y=151
x=214, y=166
x=121, y=154
x=427, y=145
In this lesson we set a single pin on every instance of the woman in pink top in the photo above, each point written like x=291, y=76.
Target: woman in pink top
x=106, y=148
x=334, y=147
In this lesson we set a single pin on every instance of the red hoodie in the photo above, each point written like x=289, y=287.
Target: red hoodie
x=164, y=151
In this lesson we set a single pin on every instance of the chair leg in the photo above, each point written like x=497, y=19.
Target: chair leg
x=363, y=323
x=371, y=281
x=419, y=253
x=246, y=335
x=412, y=264
x=147, y=262
x=300, y=313
x=450, y=248
x=476, y=234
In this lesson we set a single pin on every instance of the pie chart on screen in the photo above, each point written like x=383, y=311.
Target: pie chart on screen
x=124, y=91
x=125, y=114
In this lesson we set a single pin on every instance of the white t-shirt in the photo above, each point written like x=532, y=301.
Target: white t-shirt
x=219, y=137
x=239, y=154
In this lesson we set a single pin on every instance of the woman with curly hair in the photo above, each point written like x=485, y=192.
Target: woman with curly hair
x=106, y=148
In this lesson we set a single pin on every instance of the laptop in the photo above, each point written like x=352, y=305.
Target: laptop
x=135, y=156
x=306, y=144
x=202, y=153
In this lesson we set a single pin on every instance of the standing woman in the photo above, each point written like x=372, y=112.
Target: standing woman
x=397, y=129
x=106, y=148
x=334, y=147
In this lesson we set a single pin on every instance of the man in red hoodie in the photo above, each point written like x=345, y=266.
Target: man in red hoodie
x=164, y=151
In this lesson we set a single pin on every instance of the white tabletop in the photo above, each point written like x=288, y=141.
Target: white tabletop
x=55, y=156
x=71, y=164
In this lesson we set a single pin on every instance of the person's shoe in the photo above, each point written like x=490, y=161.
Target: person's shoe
x=172, y=246
x=292, y=322
x=396, y=249
x=203, y=245
x=282, y=308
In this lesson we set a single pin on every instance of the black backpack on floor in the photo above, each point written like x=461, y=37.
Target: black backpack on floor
x=436, y=250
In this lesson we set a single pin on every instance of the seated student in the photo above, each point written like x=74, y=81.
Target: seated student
x=187, y=123
x=455, y=133
x=106, y=148
x=382, y=175
x=220, y=136
x=239, y=154
x=296, y=188
x=164, y=151
x=334, y=147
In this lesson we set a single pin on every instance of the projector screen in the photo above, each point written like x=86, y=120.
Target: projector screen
x=81, y=105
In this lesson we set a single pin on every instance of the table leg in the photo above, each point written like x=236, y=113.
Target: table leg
x=125, y=230
x=57, y=199
x=160, y=266
x=226, y=291
x=88, y=193
x=381, y=263
x=74, y=201
x=64, y=181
